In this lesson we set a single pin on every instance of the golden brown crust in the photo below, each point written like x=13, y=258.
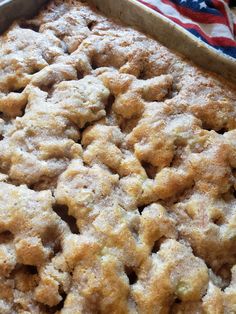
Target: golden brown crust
x=117, y=172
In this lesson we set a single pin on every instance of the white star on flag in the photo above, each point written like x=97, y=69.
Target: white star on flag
x=203, y=5
x=182, y=1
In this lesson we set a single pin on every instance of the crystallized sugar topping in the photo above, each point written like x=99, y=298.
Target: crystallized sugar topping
x=117, y=172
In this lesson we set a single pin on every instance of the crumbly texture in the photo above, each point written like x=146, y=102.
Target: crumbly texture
x=117, y=172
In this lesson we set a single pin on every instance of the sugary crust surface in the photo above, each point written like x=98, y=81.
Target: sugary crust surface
x=117, y=172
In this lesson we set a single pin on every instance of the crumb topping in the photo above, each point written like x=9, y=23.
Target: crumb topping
x=117, y=172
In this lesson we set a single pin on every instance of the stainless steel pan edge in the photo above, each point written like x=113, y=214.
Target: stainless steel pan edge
x=11, y=10
x=135, y=14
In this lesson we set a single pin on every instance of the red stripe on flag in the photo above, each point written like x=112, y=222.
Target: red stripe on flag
x=217, y=41
x=220, y=6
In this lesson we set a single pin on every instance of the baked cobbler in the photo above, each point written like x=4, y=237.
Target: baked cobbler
x=117, y=172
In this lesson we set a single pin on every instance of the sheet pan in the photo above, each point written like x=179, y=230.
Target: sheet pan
x=15, y=9
x=135, y=14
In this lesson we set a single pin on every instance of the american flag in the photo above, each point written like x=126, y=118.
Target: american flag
x=212, y=21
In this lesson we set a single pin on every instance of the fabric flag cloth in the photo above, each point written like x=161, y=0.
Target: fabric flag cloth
x=213, y=21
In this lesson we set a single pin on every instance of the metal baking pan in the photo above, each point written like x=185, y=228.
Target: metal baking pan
x=135, y=14
x=11, y=10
